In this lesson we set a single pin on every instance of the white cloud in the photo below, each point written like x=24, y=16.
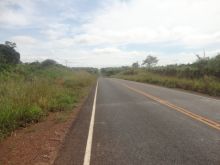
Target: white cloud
x=97, y=38
x=191, y=22
x=15, y=14
x=55, y=31
x=12, y=18
x=23, y=40
x=106, y=51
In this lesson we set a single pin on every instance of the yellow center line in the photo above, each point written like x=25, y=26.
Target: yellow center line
x=202, y=119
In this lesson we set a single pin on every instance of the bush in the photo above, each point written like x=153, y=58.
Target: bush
x=48, y=62
x=29, y=114
x=8, y=55
x=61, y=102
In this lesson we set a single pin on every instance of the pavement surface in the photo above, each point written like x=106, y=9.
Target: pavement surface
x=141, y=124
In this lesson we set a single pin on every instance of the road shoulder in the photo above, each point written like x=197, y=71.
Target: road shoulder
x=74, y=146
x=39, y=144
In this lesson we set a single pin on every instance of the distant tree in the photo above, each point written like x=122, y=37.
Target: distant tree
x=214, y=65
x=35, y=63
x=201, y=61
x=150, y=61
x=135, y=65
x=48, y=62
x=8, y=55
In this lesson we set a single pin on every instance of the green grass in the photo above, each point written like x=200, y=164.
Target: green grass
x=29, y=92
x=207, y=84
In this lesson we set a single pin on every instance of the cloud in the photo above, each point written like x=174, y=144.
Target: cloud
x=111, y=32
x=155, y=21
x=106, y=51
x=56, y=30
x=15, y=14
x=23, y=40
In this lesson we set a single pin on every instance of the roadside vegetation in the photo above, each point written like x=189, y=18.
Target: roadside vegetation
x=28, y=92
x=201, y=76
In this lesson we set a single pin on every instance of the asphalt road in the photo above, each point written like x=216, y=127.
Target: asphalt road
x=140, y=124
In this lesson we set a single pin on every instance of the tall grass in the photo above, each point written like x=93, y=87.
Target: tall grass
x=29, y=92
x=208, y=84
x=202, y=75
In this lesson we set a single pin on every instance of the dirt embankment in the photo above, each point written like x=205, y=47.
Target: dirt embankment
x=37, y=144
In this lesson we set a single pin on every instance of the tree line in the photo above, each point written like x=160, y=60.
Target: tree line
x=203, y=66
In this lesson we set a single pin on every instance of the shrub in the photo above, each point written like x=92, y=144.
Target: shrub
x=8, y=55
x=61, y=102
x=48, y=62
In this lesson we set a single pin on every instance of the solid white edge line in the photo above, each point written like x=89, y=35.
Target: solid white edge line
x=87, y=155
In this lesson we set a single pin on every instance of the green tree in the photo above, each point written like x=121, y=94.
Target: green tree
x=8, y=54
x=135, y=65
x=150, y=61
x=48, y=62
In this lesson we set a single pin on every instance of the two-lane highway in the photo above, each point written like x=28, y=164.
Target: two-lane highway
x=135, y=124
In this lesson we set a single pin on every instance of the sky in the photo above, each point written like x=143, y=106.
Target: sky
x=109, y=33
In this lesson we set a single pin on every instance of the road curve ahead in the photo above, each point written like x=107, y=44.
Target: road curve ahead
x=140, y=124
